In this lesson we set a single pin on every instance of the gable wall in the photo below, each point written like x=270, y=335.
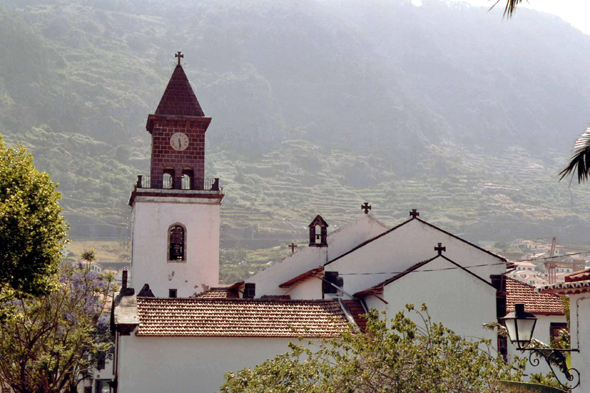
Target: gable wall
x=404, y=247
x=311, y=288
x=454, y=297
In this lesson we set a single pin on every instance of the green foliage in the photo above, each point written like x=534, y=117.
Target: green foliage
x=391, y=356
x=88, y=255
x=55, y=340
x=33, y=230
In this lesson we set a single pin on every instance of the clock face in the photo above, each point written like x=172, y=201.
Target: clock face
x=179, y=141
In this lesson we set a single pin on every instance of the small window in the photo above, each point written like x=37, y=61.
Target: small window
x=318, y=234
x=172, y=293
x=176, y=241
x=102, y=357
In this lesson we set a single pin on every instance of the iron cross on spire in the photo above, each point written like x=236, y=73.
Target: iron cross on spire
x=440, y=248
x=180, y=56
x=366, y=207
x=293, y=247
x=414, y=213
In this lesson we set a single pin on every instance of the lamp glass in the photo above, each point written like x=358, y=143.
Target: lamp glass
x=511, y=326
x=525, y=328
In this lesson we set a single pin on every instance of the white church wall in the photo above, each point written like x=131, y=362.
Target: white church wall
x=268, y=280
x=458, y=300
x=404, y=247
x=151, y=222
x=351, y=235
x=189, y=364
x=339, y=242
x=308, y=289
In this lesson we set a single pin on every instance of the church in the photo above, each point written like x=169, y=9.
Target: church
x=175, y=325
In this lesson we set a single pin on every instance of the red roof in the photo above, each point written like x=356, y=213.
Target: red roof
x=169, y=317
x=534, y=302
x=583, y=275
x=218, y=293
x=179, y=98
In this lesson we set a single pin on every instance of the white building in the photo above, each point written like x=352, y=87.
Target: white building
x=170, y=342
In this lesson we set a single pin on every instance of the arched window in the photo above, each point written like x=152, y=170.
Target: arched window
x=318, y=234
x=176, y=242
x=168, y=178
x=187, y=179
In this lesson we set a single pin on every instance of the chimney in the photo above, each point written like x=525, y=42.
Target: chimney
x=124, y=279
x=249, y=290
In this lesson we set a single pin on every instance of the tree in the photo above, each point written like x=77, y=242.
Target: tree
x=391, y=356
x=33, y=230
x=580, y=161
x=510, y=7
x=54, y=341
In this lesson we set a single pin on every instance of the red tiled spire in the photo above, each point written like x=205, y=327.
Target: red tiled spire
x=179, y=98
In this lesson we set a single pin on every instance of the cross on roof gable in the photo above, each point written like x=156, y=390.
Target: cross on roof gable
x=179, y=98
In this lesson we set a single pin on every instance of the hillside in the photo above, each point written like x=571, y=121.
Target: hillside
x=317, y=106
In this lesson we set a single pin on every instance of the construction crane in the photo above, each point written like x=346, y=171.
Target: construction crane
x=550, y=265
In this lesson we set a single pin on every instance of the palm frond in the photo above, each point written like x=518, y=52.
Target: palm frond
x=580, y=160
x=511, y=6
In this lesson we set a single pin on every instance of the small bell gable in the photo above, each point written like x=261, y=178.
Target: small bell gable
x=318, y=232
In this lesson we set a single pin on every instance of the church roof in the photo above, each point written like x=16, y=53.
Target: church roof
x=536, y=303
x=179, y=98
x=190, y=317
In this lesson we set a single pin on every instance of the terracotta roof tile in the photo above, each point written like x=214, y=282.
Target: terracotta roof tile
x=583, y=275
x=239, y=318
x=218, y=293
x=534, y=302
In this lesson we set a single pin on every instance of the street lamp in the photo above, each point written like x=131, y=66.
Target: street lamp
x=521, y=325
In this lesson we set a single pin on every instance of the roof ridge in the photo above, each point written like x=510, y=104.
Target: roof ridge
x=424, y=222
x=233, y=300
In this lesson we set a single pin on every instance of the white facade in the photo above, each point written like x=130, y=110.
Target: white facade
x=405, y=246
x=339, y=242
x=455, y=298
x=152, y=217
x=189, y=364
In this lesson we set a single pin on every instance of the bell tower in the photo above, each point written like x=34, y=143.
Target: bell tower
x=176, y=209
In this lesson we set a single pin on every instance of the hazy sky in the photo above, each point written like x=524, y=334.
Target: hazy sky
x=576, y=12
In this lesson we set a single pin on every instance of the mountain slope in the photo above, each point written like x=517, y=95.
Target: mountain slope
x=316, y=106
